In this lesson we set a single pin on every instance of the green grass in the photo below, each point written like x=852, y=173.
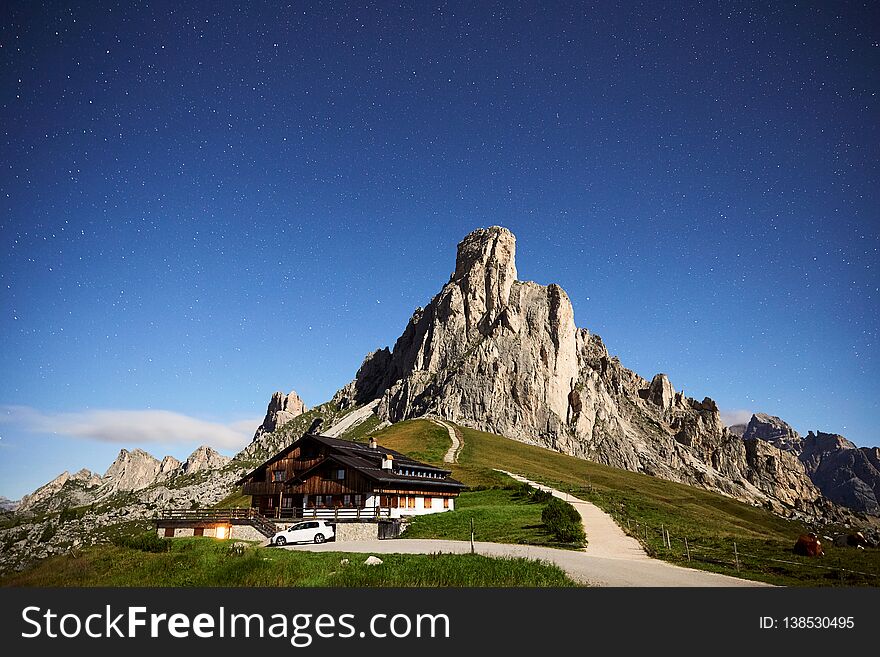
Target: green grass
x=710, y=521
x=234, y=499
x=207, y=562
x=499, y=515
x=419, y=439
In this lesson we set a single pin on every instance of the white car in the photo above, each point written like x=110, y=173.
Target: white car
x=309, y=531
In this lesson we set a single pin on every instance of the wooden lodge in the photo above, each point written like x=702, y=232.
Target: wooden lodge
x=323, y=477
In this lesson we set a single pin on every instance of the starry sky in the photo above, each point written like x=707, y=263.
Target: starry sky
x=202, y=204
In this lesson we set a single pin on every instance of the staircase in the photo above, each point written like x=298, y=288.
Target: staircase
x=263, y=525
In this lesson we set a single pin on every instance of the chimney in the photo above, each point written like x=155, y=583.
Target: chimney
x=373, y=444
x=388, y=462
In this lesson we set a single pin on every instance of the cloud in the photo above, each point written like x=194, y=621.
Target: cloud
x=739, y=416
x=120, y=426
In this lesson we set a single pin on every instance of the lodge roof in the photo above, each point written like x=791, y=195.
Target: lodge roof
x=368, y=461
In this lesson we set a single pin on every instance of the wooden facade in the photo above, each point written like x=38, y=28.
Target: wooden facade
x=319, y=472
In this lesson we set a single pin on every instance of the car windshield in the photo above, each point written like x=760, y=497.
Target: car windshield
x=301, y=525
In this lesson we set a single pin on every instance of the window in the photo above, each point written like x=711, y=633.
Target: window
x=329, y=501
x=411, y=502
x=286, y=502
x=319, y=500
x=340, y=473
x=358, y=500
x=346, y=500
x=427, y=502
x=445, y=502
x=270, y=502
x=279, y=475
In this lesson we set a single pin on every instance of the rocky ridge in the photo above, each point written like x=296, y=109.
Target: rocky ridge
x=132, y=470
x=498, y=354
x=846, y=474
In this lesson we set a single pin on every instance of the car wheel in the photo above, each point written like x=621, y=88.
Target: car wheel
x=319, y=538
x=280, y=541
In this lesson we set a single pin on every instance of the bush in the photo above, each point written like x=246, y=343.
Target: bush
x=563, y=521
x=48, y=533
x=146, y=542
x=541, y=496
x=522, y=490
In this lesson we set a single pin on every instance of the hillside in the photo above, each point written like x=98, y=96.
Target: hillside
x=711, y=522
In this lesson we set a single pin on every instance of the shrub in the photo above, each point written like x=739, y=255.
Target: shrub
x=541, y=496
x=563, y=521
x=146, y=542
x=48, y=533
x=522, y=490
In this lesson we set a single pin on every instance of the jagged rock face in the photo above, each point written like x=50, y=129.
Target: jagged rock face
x=131, y=471
x=780, y=474
x=282, y=409
x=505, y=356
x=78, y=484
x=204, y=458
x=846, y=474
x=774, y=431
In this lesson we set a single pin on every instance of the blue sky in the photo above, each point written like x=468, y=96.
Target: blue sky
x=202, y=205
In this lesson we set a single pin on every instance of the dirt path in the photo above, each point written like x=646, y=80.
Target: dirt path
x=353, y=418
x=611, y=559
x=451, y=455
x=604, y=537
x=580, y=566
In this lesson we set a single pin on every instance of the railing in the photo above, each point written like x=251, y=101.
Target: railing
x=340, y=513
x=253, y=515
x=209, y=514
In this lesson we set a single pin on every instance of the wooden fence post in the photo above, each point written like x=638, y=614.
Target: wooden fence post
x=686, y=548
x=472, y=535
x=735, y=555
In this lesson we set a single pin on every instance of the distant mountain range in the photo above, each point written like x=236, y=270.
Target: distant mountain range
x=845, y=474
x=131, y=471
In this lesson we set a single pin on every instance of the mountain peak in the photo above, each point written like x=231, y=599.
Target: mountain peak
x=493, y=248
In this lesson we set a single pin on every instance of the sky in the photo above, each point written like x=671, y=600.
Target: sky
x=200, y=205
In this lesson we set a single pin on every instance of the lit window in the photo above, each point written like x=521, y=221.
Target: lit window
x=428, y=502
x=340, y=473
x=445, y=502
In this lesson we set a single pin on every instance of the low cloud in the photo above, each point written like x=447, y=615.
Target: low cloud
x=129, y=427
x=735, y=417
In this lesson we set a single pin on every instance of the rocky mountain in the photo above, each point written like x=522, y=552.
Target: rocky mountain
x=774, y=431
x=79, y=487
x=498, y=354
x=133, y=470
x=282, y=409
x=204, y=458
x=8, y=505
x=846, y=474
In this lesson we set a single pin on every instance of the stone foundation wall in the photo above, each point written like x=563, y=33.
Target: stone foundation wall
x=356, y=531
x=247, y=533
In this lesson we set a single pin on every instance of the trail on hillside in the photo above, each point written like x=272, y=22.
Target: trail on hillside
x=451, y=455
x=604, y=537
